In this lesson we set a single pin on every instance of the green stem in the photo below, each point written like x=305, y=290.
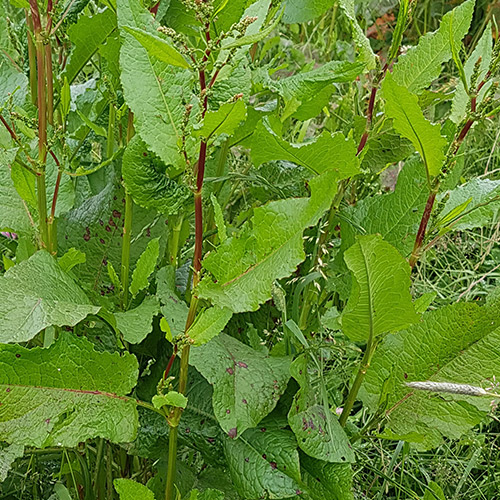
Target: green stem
x=127, y=234
x=353, y=392
x=110, y=145
x=109, y=471
x=98, y=461
x=127, y=225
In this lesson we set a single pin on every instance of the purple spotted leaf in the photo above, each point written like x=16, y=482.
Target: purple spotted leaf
x=247, y=384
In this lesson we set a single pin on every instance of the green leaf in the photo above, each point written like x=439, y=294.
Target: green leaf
x=253, y=37
x=209, y=324
x=157, y=47
x=437, y=492
x=326, y=480
x=409, y=121
x=264, y=462
x=269, y=247
x=66, y=394
x=298, y=11
x=362, y=42
x=71, y=258
x=36, y=294
x=247, y=384
x=146, y=179
x=223, y=121
x=396, y=216
x=461, y=99
x=380, y=300
x=452, y=344
x=145, y=267
x=424, y=301
x=219, y=219
x=13, y=83
x=316, y=428
x=172, y=398
x=8, y=455
x=422, y=64
x=87, y=35
x=173, y=307
x=306, y=85
x=209, y=494
x=135, y=324
x=327, y=152
x=156, y=92
x=13, y=212
x=130, y=490
x=482, y=199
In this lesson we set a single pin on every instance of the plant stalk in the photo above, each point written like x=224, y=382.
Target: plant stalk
x=353, y=392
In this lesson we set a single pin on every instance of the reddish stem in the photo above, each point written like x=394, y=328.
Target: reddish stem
x=415, y=254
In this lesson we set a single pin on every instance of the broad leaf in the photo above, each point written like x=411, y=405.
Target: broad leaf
x=247, y=385
x=461, y=99
x=298, y=11
x=209, y=324
x=453, y=344
x=130, y=490
x=157, y=47
x=36, y=294
x=380, y=300
x=146, y=179
x=269, y=247
x=223, y=121
x=13, y=211
x=156, y=92
x=316, y=428
x=174, y=309
x=482, y=197
x=13, y=84
x=326, y=480
x=264, y=462
x=422, y=64
x=135, y=324
x=66, y=394
x=8, y=455
x=145, y=267
x=327, y=152
x=362, y=42
x=87, y=35
x=409, y=121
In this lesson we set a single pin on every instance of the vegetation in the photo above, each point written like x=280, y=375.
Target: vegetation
x=249, y=250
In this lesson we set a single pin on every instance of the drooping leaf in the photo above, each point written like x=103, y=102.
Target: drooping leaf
x=209, y=324
x=327, y=152
x=130, y=490
x=174, y=309
x=362, y=42
x=13, y=212
x=158, y=47
x=307, y=85
x=156, y=92
x=483, y=50
x=8, y=455
x=223, y=121
x=326, y=480
x=264, y=462
x=36, y=294
x=87, y=35
x=298, y=11
x=71, y=258
x=66, y=394
x=422, y=64
x=146, y=179
x=409, y=121
x=135, y=324
x=268, y=248
x=145, y=267
x=247, y=384
x=482, y=199
x=380, y=300
x=452, y=344
x=396, y=216
x=316, y=428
